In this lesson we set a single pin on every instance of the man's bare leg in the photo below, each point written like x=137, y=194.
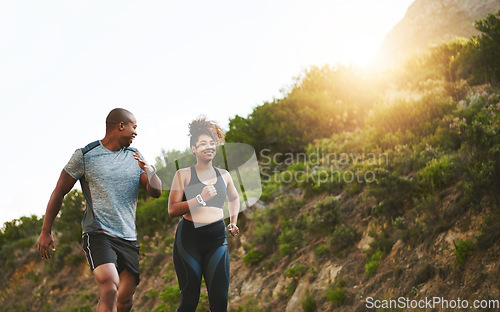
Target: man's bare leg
x=126, y=290
x=107, y=279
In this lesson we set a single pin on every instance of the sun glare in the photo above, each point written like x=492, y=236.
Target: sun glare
x=349, y=33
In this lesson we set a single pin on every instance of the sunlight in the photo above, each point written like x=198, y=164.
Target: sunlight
x=359, y=54
x=341, y=32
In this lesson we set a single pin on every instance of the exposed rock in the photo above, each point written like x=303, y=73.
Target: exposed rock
x=365, y=241
x=396, y=248
x=326, y=276
x=432, y=22
x=295, y=302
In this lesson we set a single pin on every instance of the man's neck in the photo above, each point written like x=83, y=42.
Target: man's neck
x=111, y=144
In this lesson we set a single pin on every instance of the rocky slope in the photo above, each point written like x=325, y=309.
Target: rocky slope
x=415, y=271
x=431, y=22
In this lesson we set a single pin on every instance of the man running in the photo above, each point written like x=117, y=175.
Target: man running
x=110, y=172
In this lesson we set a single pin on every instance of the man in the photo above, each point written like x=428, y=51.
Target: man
x=110, y=172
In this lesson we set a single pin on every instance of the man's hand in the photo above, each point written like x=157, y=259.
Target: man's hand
x=150, y=181
x=45, y=245
x=46, y=241
x=142, y=163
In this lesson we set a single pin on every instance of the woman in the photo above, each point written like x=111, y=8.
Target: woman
x=198, y=194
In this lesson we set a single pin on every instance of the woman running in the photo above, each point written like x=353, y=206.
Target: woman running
x=198, y=194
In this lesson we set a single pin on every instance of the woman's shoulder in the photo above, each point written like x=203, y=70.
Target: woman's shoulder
x=225, y=175
x=222, y=171
x=184, y=172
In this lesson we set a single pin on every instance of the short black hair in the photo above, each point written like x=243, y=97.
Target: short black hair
x=116, y=116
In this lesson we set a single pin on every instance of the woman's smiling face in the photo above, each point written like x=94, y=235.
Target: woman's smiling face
x=205, y=147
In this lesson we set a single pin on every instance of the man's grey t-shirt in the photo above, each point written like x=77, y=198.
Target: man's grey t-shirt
x=110, y=183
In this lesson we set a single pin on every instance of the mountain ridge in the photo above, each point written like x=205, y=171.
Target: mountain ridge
x=432, y=22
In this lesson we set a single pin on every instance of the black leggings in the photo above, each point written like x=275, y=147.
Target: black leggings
x=202, y=251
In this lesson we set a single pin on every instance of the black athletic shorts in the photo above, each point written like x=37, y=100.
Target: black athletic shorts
x=101, y=248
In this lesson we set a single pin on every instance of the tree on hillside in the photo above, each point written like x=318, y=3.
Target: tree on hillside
x=68, y=224
x=479, y=61
x=17, y=229
x=322, y=101
x=490, y=45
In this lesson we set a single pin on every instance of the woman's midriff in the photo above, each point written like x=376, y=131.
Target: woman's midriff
x=204, y=214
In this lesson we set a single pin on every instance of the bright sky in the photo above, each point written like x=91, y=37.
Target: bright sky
x=65, y=64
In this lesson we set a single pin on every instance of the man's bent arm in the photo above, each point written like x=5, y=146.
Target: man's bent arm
x=63, y=186
x=152, y=184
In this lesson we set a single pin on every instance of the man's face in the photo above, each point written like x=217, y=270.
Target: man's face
x=129, y=132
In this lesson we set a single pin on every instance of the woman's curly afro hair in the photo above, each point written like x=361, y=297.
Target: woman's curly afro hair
x=201, y=126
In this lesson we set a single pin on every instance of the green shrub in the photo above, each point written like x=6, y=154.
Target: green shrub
x=24, y=243
x=481, y=175
x=322, y=250
x=270, y=263
x=463, y=249
x=85, y=308
x=152, y=294
x=391, y=192
x=290, y=239
x=373, y=262
x=270, y=187
x=290, y=288
x=285, y=249
x=152, y=215
x=203, y=303
x=287, y=205
x=490, y=231
x=337, y=293
x=252, y=257
x=250, y=305
x=68, y=224
x=308, y=303
x=170, y=298
x=343, y=236
x=296, y=271
x=438, y=173
x=382, y=241
x=399, y=223
x=409, y=120
x=73, y=259
x=326, y=215
x=264, y=233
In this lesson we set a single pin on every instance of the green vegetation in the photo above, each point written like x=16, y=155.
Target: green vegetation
x=373, y=261
x=252, y=257
x=324, y=100
x=296, y=272
x=337, y=293
x=463, y=249
x=152, y=215
x=170, y=298
x=250, y=305
x=308, y=303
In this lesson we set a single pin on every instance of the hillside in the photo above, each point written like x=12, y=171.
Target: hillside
x=433, y=22
x=413, y=270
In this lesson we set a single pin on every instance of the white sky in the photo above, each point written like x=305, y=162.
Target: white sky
x=65, y=64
